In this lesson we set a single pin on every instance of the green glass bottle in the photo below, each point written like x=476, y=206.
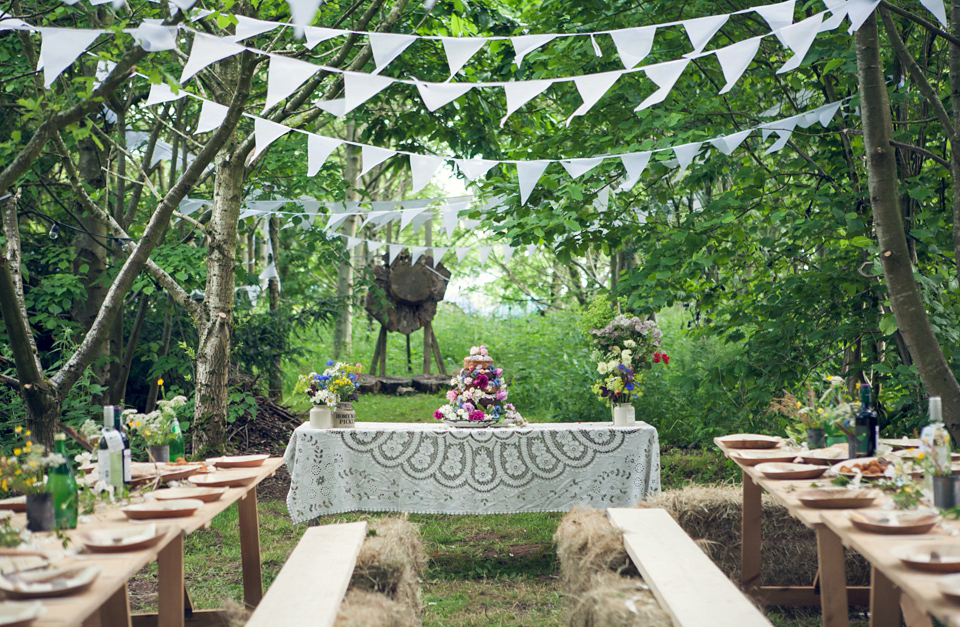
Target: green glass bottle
x=63, y=486
x=177, y=449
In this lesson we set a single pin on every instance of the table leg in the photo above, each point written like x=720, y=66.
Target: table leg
x=250, y=548
x=750, y=537
x=833, y=578
x=116, y=609
x=171, y=584
x=913, y=616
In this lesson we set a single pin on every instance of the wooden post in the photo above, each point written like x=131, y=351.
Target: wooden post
x=427, y=346
x=441, y=367
x=750, y=536
x=383, y=351
x=381, y=343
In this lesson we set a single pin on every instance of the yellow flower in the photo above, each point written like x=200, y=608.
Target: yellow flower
x=16, y=451
x=820, y=410
x=3, y=485
x=33, y=464
x=799, y=404
x=160, y=382
x=16, y=472
x=27, y=433
x=18, y=429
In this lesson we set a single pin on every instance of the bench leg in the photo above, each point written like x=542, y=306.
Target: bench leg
x=833, y=579
x=750, y=537
x=250, y=549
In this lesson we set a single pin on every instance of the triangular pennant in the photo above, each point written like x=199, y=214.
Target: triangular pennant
x=359, y=88
x=520, y=93
x=780, y=143
x=416, y=252
x=352, y=242
x=251, y=27
x=634, y=163
x=335, y=107
x=474, y=168
x=936, y=7
x=183, y=5
x=451, y=216
x=407, y=216
x=61, y=47
x=665, y=75
x=207, y=49
x=531, y=248
x=395, y=250
x=285, y=75
x=265, y=132
x=319, y=149
x=484, y=253
x=336, y=219
x=385, y=205
x=373, y=156
x=302, y=13
x=827, y=112
x=155, y=37
x=528, y=174
x=633, y=44
x=702, y=29
x=686, y=153
x=387, y=46
x=507, y=252
x=212, y=115
x=316, y=35
x=378, y=219
x=459, y=50
x=310, y=205
x=592, y=88
x=858, y=11
x=579, y=167
x=471, y=224
x=438, y=253
x=435, y=95
x=161, y=92
x=834, y=21
x=729, y=143
x=799, y=38
x=525, y=44
x=190, y=205
x=777, y=15
x=419, y=220
x=735, y=58
x=422, y=169
x=373, y=246
x=462, y=252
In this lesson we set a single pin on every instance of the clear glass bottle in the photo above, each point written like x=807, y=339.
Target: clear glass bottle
x=110, y=456
x=63, y=486
x=935, y=439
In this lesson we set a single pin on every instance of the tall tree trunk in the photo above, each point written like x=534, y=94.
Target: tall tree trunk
x=275, y=376
x=904, y=293
x=954, y=147
x=343, y=328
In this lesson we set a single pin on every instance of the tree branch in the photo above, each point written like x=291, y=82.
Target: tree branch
x=930, y=26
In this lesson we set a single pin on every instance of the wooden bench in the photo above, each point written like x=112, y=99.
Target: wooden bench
x=687, y=584
x=312, y=583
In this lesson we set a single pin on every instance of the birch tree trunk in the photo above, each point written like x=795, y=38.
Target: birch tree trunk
x=343, y=328
x=275, y=378
x=883, y=186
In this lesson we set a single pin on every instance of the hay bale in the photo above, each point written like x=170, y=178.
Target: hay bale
x=391, y=561
x=614, y=601
x=711, y=516
x=372, y=609
x=234, y=614
x=587, y=545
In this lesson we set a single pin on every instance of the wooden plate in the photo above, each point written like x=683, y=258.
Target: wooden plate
x=48, y=582
x=12, y=560
x=226, y=478
x=825, y=456
x=899, y=443
x=241, y=461
x=750, y=440
x=14, y=504
x=206, y=495
x=752, y=457
x=894, y=523
x=776, y=470
x=121, y=539
x=162, y=509
x=19, y=613
x=836, y=468
x=837, y=498
x=950, y=587
x=932, y=557
x=173, y=472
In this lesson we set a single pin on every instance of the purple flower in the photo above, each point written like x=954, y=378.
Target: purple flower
x=477, y=415
x=469, y=407
x=481, y=381
x=501, y=395
x=331, y=363
x=438, y=415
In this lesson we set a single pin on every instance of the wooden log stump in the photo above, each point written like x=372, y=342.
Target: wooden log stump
x=391, y=385
x=368, y=384
x=431, y=383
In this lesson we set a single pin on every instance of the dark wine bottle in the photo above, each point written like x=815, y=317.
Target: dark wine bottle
x=866, y=425
x=127, y=460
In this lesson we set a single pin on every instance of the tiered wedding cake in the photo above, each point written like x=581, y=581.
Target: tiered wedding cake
x=479, y=394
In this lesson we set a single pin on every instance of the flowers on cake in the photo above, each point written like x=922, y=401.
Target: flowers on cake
x=337, y=384
x=626, y=347
x=478, y=393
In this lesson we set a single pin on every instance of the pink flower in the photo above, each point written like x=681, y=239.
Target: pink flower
x=499, y=371
x=469, y=407
x=438, y=415
x=481, y=381
x=501, y=395
x=451, y=395
x=483, y=351
x=477, y=415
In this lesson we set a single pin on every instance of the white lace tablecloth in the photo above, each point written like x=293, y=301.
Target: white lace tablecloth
x=434, y=469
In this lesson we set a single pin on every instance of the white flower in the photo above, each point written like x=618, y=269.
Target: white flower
x=626, y=356
x=474, y=350
x=630, y=344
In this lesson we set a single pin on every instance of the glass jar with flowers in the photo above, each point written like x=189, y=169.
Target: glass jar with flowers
x=156, y=427
x=818, y=414
x=331, y=394
x=25, y=472
x=625, y=348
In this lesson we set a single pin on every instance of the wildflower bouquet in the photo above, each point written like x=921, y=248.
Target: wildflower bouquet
x=626, y=347
x=156, y=428
x=830, y=408
x=25, y=471
x=337, y=384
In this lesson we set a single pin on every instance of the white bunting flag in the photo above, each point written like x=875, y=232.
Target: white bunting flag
x=155, y=37
x=336, y=219
x=799, y=38
x=436, y=95
x=309, y=205
x=735, y=58
x=834, y=21
x=507, y=251
x=373, y=156
x=459, y=50
x=422, y=169
x=592, y=87
x=302, y=13
x=438, y=253
x=416, y=252
x=531, y=248
x=334, y=107
x=686, y=154
x=777, y=15
x=484, y=252
x=212, y=115
x=265, y=132
x=190, y=205
x=827, y=112
x=579, y=167
x=473, y=169
x=471, y=224
x=729, y=143
x=451, y=216
x=407, y=216
x=378, y=219
x=316, y=35
x=207, y=49
x=525, y=44
x=462, y=252
x=319, y=149
x=421, y=219
x=359, y=88
x=285, y=75
x=352, y=242
x=394, y=251
x=780, y=143
x=183, y=5
x=387, y=46
x=702, y=29
x=936, y=7
x=161, y=92
x=633, y=44
x=665, y=75
x=373, y=246
x=61, y=47
x=634, y=163
x=251, y=27
x=858, y=11
x=520, y=93
x=528, y=174
x=602, y=201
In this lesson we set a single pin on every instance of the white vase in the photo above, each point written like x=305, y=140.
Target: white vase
x=624, y=415
x=321, y=417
